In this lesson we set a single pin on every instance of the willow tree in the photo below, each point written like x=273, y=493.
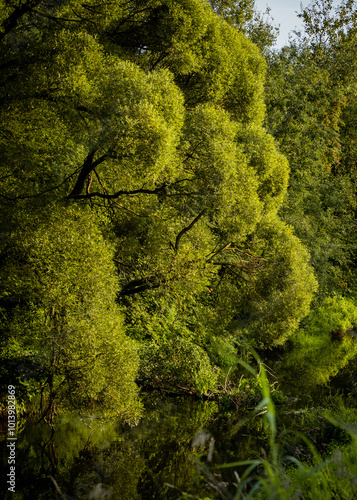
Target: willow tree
x=151, y=113
x=62, y=332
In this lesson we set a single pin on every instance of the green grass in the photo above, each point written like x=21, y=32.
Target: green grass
x=313, y=473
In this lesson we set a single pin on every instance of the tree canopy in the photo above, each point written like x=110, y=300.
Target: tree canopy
x=133, y=136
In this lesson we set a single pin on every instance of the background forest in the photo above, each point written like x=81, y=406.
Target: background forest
x=173, y=193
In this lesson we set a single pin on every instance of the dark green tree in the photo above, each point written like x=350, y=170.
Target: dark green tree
x=307, y=106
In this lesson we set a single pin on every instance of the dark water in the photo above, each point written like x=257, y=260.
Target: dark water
x=87, y=458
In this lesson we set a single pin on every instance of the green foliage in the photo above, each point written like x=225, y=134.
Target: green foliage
x=211, y=61
x=138, y=127
x=177, y=364
x=269, y=166
x=245, y=396
x=222, y=351
x=310, y=112
x=327, y=338
x=269, y=304
x=60, y=322
x=335, y=314
x=244, y=17
x=305, y=472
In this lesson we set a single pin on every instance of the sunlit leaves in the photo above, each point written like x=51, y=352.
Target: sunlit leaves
x=146, y=119
x=59, y=289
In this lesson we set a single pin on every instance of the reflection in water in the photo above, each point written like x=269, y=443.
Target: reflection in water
x=88, y=458
x=310, y=374
x=93, y=459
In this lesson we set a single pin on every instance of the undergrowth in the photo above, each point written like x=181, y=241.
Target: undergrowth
x=318, y=461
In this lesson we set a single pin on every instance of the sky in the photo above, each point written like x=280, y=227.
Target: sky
x=284, y=13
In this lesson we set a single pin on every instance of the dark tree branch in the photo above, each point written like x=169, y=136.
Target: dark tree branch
x=11, y=22
x=226, y=247
x=185, y=230
x=99, y=180
x=86, y=169
x=133, y=14
x=54, y=18
x=88, y=166
x=82, y=18
x=193, y=150
x=158, y=60
x=140, y=285
x=160, y=189
x=151, y=282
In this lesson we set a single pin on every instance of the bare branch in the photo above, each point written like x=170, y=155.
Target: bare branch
x=226, y=247
x=54, y=18
x=186, y=229
x=86, y=169
x=113, y=196
x=89, y=183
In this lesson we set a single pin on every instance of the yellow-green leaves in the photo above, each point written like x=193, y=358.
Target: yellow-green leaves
x=146, y=119
x=219, y=170
x=59, y=290
x=285, y=285
x=275, y=284
x=270, y=167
